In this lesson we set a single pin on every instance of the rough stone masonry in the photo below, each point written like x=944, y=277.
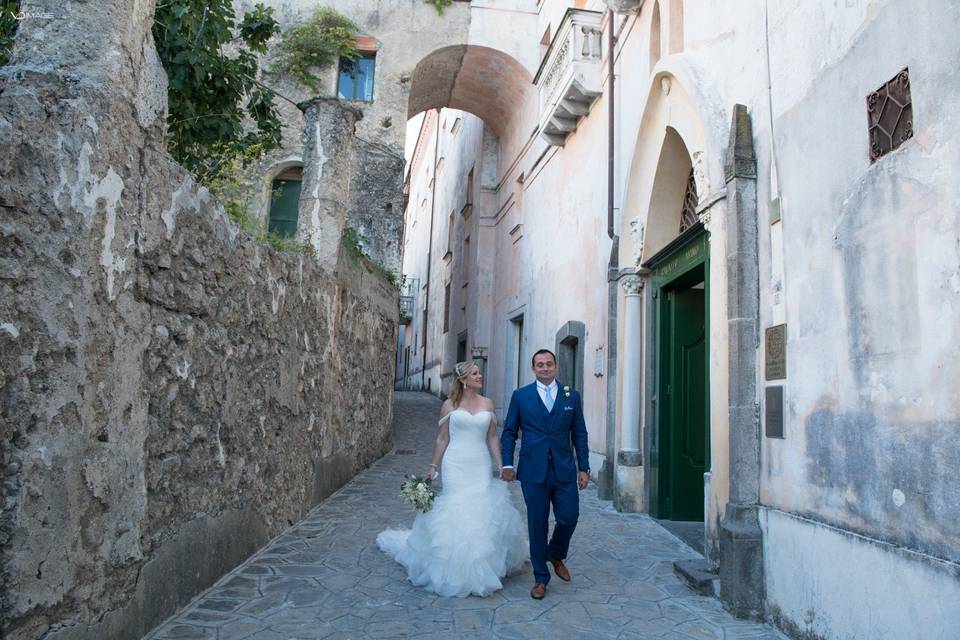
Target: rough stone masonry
x=172, y=393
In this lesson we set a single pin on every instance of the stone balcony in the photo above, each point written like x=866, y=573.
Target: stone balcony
x=406, y=309
x=408, y=289
x=571, y=76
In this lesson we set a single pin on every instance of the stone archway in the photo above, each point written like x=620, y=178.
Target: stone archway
x=480, y=80
x=498, y=90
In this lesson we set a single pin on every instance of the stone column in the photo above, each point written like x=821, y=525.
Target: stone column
x=629, y=469
x=606, y=478
x=741, y=541
x=327, y=157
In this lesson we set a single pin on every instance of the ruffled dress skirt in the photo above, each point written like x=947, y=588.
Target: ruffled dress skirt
x=472, y=536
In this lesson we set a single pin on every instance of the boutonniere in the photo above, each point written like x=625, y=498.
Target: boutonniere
x=566, y=391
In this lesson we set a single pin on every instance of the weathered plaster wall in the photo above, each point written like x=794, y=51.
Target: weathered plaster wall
x=871, y=278
x=863, y=270
x=376, y=201
x=173, y=394
x=872, y=590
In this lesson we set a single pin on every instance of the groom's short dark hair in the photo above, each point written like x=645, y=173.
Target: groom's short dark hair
x=533, y=360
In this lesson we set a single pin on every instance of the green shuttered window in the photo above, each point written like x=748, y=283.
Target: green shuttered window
x=284, y=203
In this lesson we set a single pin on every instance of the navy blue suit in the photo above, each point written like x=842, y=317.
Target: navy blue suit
x=547, y=469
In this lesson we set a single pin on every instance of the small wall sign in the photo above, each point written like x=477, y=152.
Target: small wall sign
x=773, y=411
x=775, y=352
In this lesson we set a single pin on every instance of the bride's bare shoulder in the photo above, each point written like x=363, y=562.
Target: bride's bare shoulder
x=446, y=407
x=486, y=402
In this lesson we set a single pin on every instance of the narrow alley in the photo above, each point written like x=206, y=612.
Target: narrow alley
x=326, y=578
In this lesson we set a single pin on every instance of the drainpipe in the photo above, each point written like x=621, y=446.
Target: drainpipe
x=610, y=116
x=426, y=302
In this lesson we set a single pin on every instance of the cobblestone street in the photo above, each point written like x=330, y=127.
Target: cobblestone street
x=326, y=578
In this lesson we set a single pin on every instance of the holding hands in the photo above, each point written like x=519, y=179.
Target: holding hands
x=583, y=478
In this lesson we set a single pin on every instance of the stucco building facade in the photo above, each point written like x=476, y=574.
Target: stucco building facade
x=743, y=246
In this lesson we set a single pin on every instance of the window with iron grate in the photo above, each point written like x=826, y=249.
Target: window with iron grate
x=890, y=115
x=688, y=216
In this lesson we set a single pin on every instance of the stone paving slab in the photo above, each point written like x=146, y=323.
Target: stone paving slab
x=326, y=578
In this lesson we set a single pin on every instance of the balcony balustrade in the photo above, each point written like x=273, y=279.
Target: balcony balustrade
x=571, y=76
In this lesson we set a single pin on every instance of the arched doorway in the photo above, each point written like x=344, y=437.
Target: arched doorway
x=674, y=280
x=679, y=451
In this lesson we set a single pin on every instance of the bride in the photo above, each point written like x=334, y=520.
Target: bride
x=473, y=535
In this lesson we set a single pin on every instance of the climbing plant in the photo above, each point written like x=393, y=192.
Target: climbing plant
x=8, y=27
x=319, y=42
x=441, y=5
x=218, y=111
x=359, y=257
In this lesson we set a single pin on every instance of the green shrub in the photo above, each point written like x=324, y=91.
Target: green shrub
x=351, y=242
x=440, y=5
x=319, y=42
x=8, y=28
x=214, y=97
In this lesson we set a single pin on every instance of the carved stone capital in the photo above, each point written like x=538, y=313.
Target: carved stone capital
x=631, y=285
x=705, y=219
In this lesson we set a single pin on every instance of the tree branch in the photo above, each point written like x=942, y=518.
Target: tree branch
x=270, y=89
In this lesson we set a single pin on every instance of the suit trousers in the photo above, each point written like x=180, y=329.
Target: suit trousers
x=565, y=499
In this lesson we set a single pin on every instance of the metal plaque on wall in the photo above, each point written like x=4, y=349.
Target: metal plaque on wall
x=773, y=410
x=775, y=352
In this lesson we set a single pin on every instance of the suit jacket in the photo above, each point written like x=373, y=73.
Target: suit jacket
x=545, y=434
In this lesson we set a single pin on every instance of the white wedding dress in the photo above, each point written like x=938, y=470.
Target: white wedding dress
x=473, y=535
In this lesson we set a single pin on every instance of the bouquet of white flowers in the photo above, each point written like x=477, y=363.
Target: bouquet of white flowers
x=419, y=492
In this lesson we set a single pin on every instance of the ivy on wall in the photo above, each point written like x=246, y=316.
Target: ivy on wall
x=441, y=5
x=8, y=27
x=322, y=40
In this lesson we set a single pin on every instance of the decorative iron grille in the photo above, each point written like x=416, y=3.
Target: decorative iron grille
x=890, y=115
x=688, y=216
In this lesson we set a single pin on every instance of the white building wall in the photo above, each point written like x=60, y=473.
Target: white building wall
x=862, y=267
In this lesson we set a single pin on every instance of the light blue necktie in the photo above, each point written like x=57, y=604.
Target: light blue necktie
x=548, y=398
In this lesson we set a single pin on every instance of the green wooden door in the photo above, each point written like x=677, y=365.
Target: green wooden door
x=284, y=205
x=687, y=429
x=680, y=439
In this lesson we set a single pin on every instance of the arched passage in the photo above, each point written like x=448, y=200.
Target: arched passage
x=451, y=191
x=483, y=81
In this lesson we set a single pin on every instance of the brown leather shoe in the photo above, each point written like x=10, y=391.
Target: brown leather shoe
x=560, y=569
x=538, y=591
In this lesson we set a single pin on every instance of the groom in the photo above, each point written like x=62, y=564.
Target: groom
x=548, y=415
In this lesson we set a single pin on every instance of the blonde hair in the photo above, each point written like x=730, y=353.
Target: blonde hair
x=461, y=371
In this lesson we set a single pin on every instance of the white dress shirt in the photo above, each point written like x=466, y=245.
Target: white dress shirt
x=542, y=390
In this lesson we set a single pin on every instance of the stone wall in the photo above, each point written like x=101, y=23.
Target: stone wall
x=172, y=393
x=376, y=201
